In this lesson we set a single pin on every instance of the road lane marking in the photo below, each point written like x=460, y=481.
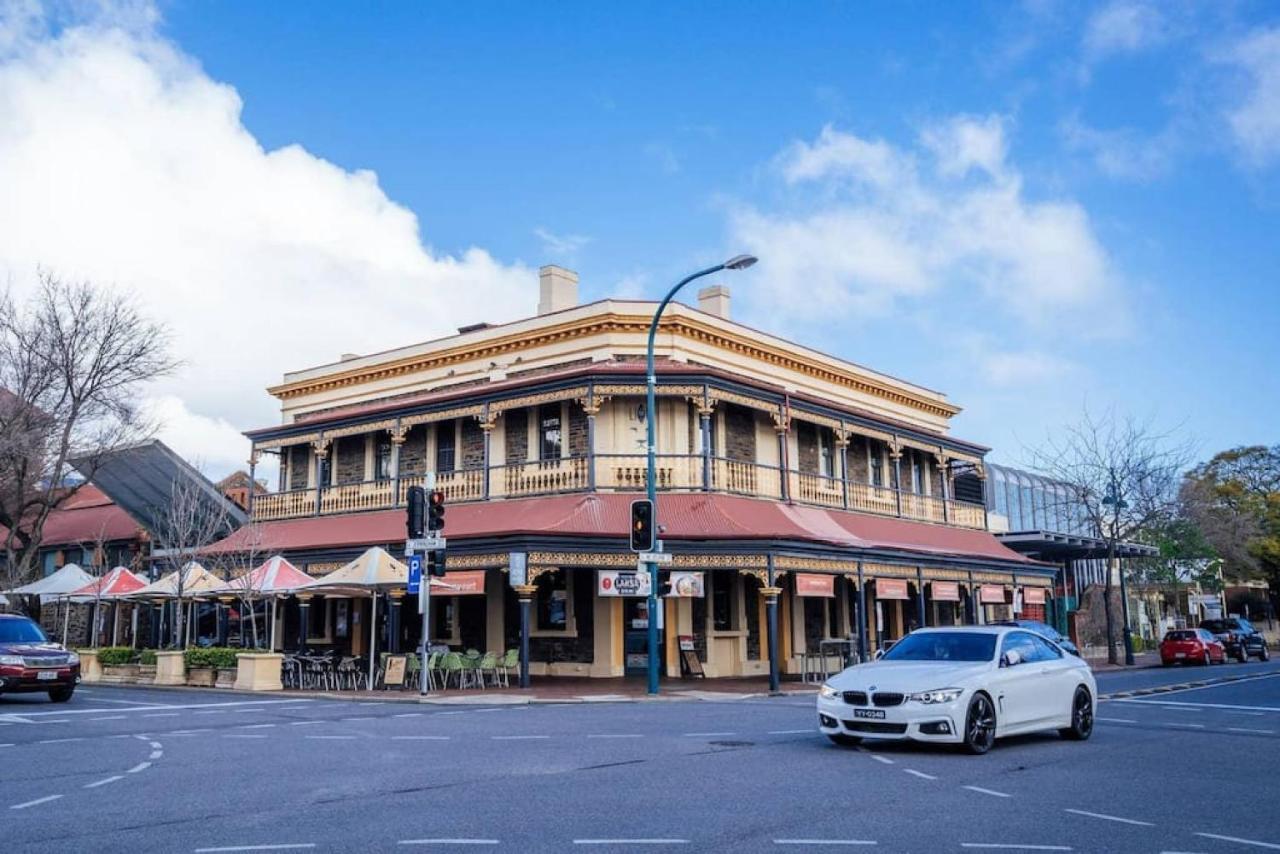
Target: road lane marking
x=1270, y=845
x=356, y=719
x=234, y=735
x=616, y=735
x=1015, y=846
x=419, y=738
x=1118, y=720
x=883, y=760
x=7, y=745
x=217, y=707
x=638, y=841
x=161, y=715
x=36, y=802
x=307, y=723
x=1187, y=726
x=156, y=754
x=155, y=745
x=824, y=842
x=923, y=776
x=188, y=731
x=518, y=737
x=1106, y=817
x=109, y=718
x=141, y=766
x=448, y=841
x=110, y=779
x=408, y=715
x=327, y=737
x=283, y=846
x=58, y=740
x=255, y=726
x=991, y=792
x=1256, y=731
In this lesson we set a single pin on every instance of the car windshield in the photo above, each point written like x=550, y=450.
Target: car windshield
x=1218, y=625
x=944, y=646
x=21, y=631
x=1180, y=636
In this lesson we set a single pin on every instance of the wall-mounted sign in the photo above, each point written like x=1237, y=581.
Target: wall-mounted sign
x=517, y=568
x=944, y=591
x=470, y=583
x=891, y=588
x=808, y=584
x=686, y=585
x=991, y=594
x=1033, y=595
x=612, y=582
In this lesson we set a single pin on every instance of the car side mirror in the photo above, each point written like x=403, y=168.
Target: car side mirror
x=1010, y=658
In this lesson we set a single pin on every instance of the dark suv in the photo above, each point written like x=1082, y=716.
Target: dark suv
x=1239, y=637
x=30, y=663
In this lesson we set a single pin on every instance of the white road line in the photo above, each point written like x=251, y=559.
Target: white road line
x=518, y=737
x=1187, y=726
x=991, y=792
x=451, y=713
x=125, y=702
x=248, y=736
x=109, y=718
x=883, y=760
x=58, y=740
x=419, y=738
x=155, y=745
x=616, y=735
x=307, y=723
x=1106, y=817
x=706, y=734
x=372, y=703
x=284, y=846
x=43, y=800
x=923, y=776
x=408, y=715
x=824, y=842
x=1014, y=846
x=255, y=726
x=161, y=715
x=1245, y=729
x=152, y=708
x=640, y=841
x=788, y=731
x=453, y=841
x=156, y=754
x=1118, y=720
x=327, y=737
x=213, y=712
x=1270, y=845
x=141, y=766
x=188, y=731
x=110, y=779
x=356, y=719
x=6, y=745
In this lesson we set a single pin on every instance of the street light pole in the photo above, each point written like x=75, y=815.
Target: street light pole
x=738, y=262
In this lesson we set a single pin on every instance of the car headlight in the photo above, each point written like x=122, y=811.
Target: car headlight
x=11, y=660
x=73, y=658
x=937, y=695
x=826, y=692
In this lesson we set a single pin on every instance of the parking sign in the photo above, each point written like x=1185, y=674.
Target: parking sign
x=415, y=574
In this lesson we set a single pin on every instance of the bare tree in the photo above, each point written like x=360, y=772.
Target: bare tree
x=187, y=524
x=72, y=360
x=98, y=567
x=237, y=569
x=1121, y=478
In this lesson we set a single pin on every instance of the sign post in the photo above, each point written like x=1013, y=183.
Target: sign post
x=518, y=576
x=424, y=595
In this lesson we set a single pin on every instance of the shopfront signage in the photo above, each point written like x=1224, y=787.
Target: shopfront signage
x=944, y=591
x=686, y=585
x=1033, y=596
x=808, y=584
x=891, y=588
x=612, y=582
x=991, y=594
x=517, y=568
x=470, y=583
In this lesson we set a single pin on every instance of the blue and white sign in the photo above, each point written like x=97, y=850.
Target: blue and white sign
x=415, y=574
x=517, y=568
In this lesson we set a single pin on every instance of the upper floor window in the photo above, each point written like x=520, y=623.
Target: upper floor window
x=550, y=434
x=446, y=441
x=382, y=457
x=877, y=467
x=826, y=466
x=917, y=475
x=323, y=470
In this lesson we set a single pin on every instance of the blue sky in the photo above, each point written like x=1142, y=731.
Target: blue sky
x=1028, y=206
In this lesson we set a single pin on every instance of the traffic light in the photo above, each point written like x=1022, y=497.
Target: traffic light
x=664, y=582
x=642, y=525
x=435, y=511
x=416, y=507
x=435, y=563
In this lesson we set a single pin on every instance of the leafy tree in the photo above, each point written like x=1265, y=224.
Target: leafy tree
x=1235, y=500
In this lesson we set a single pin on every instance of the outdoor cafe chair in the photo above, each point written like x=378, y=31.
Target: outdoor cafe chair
x=413, y=671
x=508, y=662
x=349, y=673
x=452, y=665
x=487, y=667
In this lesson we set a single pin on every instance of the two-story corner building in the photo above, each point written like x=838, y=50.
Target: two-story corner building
x=778, y=467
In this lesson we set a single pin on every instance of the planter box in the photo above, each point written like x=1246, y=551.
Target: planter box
x=146, y=674
x=171, y=669
x=120, y=673
x=259, y=671
x=201, y=677
x=90, y=669
x=226, y=677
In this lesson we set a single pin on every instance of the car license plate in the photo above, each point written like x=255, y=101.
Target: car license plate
x=1179, y=655
x=47, y=675
x=868, y=713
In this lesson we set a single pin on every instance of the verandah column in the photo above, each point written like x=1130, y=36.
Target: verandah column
x=895, y=454
x=254, y=454
x=943, y=471
x=842, y=445
x=771, y=592
x=920, y=614
x=782, y=426
x=321, y=448
x=397, y=441
x=591, y=408
x=705, y=410
x=863, y=625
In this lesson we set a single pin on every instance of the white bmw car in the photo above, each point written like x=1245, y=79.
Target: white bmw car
x=964, y=685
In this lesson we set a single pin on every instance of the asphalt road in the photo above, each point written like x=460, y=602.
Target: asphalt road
x=139, y=770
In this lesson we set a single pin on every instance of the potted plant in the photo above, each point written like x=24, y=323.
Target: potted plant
x=200, y=667
x=146, y=666
x=119, y=664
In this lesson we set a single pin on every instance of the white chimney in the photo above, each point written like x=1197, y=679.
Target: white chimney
x=557, y=289
x=714, y=300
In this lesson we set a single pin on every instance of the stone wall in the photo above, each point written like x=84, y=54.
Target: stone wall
x=807, y=445
x=577, y=431
x=349, y=460
x=299, y=463
x=516, y=425
x=739, y=433
x=413, y=453
x=472, y=444
x=858, y=470
x=1090, y=621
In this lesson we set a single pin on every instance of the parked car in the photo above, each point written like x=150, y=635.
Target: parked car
x=30, y=663
x=966, y=685
x=1239, y=637
x=1044, y=630
x=1191, y=646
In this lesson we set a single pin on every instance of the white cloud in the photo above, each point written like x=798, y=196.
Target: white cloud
x=877, y=233
x=1255, y=119
x=1123, y=152
x=1124, y=26
x=562, y=246
x=122, y=161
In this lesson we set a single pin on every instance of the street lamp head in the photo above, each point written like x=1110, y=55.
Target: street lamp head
x=739, y=262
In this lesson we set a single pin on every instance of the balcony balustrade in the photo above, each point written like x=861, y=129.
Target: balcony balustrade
x=626, y=473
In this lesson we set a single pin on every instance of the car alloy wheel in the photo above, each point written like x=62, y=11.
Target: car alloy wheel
x=1207, y=660
x=1081, y=716
x=980, y=726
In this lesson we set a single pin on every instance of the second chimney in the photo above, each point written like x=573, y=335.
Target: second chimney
x=557, y=289
x=714, y=300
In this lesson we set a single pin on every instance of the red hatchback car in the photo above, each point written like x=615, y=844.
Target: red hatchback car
x=29, y=663
x=1191, y=646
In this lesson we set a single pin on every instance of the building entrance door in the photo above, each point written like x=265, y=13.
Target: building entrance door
x=635, y=637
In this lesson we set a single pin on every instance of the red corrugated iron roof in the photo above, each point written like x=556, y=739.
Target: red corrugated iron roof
x=691, y=516
x=86, y=517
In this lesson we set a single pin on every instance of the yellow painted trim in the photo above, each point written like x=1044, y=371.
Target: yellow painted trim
x=616, y=627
